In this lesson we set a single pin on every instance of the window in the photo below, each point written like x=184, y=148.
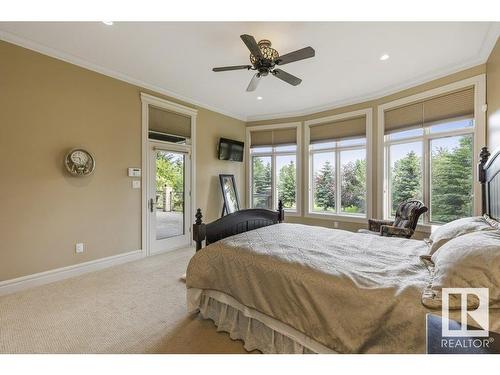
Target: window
x=429, y=148
x=273, y=170
x=337, y=165
x=405, y=173
x=338, y=162
x=261, y=182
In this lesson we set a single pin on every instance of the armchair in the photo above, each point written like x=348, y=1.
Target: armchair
x=403, y=225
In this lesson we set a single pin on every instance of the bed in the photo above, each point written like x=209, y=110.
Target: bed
x=291, y=288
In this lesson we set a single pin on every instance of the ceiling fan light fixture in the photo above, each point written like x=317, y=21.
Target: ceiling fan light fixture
x=267, y=52
x=264, y=59
x=384, y=57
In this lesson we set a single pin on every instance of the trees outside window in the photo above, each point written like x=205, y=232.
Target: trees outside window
x=451, y=178
x=287, y=177
x=448, y=191
x=325, y=188
x=261, y=182
x=406, y=173
x=332, y=162
x=353, y=182
x=274, y=167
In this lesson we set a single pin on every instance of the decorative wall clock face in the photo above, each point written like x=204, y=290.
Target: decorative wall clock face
x=79, y=162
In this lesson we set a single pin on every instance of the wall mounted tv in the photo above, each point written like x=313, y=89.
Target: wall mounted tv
x=231, y=150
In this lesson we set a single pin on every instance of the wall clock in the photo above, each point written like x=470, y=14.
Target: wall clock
x=79, y=162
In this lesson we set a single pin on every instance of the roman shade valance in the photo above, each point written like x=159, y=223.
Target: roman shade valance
x=275, y=137
x=341, y=129
x=167, y=122
x=453, y=105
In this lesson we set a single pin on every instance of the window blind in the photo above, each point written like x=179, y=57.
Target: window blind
x=348, y=128
x=169, y=122
x=453, y=105
x=275, y=137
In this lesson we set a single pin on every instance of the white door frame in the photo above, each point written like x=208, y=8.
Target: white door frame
x=148, y=100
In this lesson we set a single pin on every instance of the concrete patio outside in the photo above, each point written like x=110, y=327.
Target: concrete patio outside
x=169, y=224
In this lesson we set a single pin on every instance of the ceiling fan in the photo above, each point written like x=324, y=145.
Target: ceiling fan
x=264, y=59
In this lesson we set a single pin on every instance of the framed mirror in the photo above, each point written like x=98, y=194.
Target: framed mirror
x=230, y=194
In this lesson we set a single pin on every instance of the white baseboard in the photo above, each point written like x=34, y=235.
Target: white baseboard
x=25, y=282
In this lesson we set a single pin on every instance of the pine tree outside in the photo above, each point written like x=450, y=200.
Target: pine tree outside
x=284, y=178
x=451, y=171
x=351, y=174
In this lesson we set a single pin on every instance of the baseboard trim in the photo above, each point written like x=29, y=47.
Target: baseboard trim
x=29, y=281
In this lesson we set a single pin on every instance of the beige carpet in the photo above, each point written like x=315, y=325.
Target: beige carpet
x=138, y=307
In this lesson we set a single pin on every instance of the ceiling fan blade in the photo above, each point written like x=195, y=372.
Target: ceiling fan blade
x=251, y=45
x=300, y=54
x=287, y=77
x=254, y=82
x=234, y=67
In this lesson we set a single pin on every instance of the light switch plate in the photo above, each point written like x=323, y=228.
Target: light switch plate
x=136, y=184
x=79, y=247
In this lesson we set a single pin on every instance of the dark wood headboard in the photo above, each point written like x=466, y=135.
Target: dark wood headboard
x=489, y=177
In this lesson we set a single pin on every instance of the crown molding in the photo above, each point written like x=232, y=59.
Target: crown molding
x=51, y=52
x=369, y=97
x=484, y=52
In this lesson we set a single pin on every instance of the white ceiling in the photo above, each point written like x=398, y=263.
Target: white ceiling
x=177, y=58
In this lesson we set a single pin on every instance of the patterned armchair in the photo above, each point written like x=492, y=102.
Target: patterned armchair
x=405, y=222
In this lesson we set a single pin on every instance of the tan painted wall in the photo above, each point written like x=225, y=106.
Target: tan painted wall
x=47, y=107
x=493, y=97
x=376, y=204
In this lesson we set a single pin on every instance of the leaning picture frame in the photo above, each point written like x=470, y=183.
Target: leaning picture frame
x=229, y=193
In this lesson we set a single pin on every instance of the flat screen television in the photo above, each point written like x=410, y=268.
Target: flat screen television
x=230, y=149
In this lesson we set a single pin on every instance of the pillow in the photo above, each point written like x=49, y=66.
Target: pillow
x=470, y=261
x=454, y=229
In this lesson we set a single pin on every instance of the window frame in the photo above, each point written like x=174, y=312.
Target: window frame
x=273, y=154
x=338, y=215
x=479, y=140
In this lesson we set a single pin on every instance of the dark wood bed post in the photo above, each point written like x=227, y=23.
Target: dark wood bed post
x=281, y=212
x=199, y=230
x=481, y=173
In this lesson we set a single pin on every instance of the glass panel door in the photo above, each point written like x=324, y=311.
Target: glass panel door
x=169, y=199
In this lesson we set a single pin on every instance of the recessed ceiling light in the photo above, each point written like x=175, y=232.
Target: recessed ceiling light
x=384, y=57
x=109, y=23
x=259, y=98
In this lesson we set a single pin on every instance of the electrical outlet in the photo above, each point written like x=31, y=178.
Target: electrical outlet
x=79, y=247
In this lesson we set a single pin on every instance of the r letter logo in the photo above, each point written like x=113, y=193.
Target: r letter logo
x=480, y=315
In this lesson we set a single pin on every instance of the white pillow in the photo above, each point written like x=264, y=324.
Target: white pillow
x=470, y=261
x=456, y=228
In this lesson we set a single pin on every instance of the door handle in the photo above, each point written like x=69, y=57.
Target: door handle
x=151, y=205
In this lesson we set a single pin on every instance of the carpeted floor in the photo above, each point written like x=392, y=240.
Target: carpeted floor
x=137, y=307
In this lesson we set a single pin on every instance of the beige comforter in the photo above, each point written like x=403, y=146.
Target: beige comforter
x=354, y=293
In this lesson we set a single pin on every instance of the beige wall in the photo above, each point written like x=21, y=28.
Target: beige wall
x=376, y=203
x=493, y=97
x=48, y=107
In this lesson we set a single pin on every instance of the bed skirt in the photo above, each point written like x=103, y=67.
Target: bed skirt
x=257, y=330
